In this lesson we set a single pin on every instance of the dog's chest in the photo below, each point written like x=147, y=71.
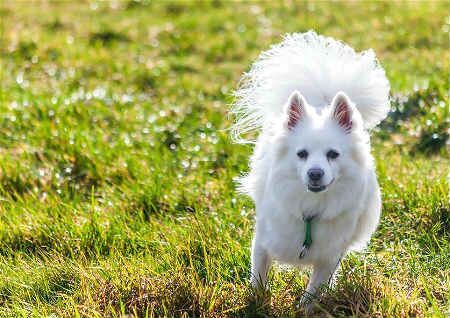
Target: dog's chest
x=285, y=234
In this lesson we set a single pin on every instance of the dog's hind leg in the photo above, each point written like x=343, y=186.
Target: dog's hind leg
x=261, y=262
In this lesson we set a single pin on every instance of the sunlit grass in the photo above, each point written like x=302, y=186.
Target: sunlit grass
x=117, y=169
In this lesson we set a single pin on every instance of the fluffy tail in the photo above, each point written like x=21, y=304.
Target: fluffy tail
x=318, y=67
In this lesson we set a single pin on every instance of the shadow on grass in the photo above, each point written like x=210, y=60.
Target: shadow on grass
x=257, y=304
x=107, y=37
x=181, y=295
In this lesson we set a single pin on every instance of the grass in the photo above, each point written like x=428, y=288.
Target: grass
x=116, y=167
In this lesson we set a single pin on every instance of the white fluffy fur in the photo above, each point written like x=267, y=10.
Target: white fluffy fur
x=316, y=66
x=318, y=73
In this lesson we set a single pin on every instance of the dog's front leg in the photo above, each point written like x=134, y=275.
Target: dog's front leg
x=260, y=264
x=321, y=277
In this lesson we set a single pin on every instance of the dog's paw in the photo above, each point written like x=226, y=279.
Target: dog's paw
x=305, y=299
x=306, y=302
x=258, y=285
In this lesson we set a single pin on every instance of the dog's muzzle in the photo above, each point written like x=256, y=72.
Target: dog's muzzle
x=315, y=176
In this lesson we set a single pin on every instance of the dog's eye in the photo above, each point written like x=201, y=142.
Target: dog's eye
x=332, y=154
x=302, y=154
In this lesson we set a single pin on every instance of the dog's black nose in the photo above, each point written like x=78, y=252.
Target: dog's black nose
x=315, y=174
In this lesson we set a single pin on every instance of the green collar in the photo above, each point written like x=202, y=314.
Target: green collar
x=308, y=239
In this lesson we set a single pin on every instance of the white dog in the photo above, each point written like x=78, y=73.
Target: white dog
x=312, y=176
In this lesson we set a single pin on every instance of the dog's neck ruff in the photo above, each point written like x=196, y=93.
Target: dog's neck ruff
x=308, y=237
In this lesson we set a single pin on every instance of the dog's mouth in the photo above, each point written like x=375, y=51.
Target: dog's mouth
x=318, y=187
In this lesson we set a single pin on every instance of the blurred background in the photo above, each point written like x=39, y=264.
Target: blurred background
x=116, y=166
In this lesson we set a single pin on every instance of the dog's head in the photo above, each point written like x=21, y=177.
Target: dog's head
x=324, y=145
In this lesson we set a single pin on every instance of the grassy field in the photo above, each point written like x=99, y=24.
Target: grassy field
x=116, y=166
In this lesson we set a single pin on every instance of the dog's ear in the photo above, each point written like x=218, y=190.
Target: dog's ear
x=342, y=110
x=295, y=110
